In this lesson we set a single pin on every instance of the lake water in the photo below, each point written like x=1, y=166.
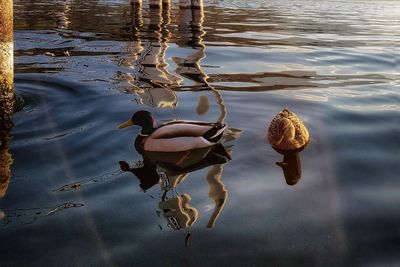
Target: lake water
x=83, y=67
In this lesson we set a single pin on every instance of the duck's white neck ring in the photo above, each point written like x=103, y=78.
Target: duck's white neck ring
x=143, y=134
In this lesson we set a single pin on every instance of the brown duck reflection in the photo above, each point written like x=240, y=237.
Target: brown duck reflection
x=169, y=169
x=291, y=167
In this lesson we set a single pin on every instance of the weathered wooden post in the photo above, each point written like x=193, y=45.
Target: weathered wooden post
x=7, y=91
x=6, y=58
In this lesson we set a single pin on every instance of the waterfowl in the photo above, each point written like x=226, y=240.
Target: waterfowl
x=173, y=136
x=287, y=132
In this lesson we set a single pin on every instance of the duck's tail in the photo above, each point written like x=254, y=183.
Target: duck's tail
x=215, y=133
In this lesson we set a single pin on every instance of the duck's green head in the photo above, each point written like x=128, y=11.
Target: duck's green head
x=141, y=118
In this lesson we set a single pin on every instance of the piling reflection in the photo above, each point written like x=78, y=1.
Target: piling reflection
x=63, y=16
x=203, y=105
x=232, y=30
x=149, y=77
x=169, y=169
x=6, y=160
x=190, y=28
x=191, y=32
x=5, y=166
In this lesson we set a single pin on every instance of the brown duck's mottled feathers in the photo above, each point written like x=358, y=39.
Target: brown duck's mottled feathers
x=287, y=132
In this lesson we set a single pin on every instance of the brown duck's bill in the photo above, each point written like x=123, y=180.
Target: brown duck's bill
x=125, y=124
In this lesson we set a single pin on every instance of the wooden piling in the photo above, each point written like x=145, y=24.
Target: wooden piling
x=6, y=57
x=7, y=91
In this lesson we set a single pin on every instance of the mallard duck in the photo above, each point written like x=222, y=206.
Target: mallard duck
x=287, y=132
x=173, y=136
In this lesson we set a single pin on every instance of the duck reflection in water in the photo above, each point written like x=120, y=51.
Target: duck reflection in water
x=291, y=167
x=172, y=168
x=288, y=136
x=170, y=152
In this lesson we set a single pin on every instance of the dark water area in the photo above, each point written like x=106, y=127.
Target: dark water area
x=83, y=67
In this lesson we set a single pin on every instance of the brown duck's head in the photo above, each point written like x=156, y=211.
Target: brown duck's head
x=286, y=112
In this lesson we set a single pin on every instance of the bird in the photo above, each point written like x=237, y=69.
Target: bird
x=173, y=136
x=287, y=132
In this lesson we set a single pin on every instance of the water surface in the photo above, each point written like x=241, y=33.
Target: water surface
x=83, y=67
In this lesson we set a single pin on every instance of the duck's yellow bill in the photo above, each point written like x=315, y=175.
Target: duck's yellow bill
x=125, y=124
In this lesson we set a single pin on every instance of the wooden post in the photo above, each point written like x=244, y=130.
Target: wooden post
x=191, y=4
x=7, y=90
x=6, y=57
x=155, y=4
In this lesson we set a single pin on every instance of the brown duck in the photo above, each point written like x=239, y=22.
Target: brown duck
x=287, y=132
